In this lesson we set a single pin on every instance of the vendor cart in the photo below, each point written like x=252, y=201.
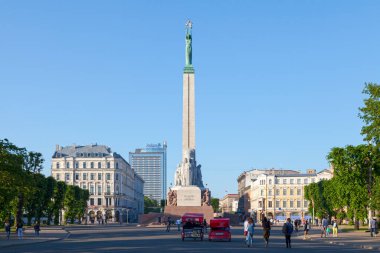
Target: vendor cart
x=220, y=229
x=192, y=226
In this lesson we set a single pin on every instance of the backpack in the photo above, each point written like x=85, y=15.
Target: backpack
x=287, y=229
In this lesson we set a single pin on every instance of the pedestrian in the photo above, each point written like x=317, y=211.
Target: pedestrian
x=287, y=230
x=335, y=228
x=249, y=229
x=373, y=226
x=205, y=225
x=20, y=230
x=324, y=225
x=296, y=224
x=328, y=231
x=178, y=222
x=168, y=224
x=7, y=227
x=266, y=231
x=306, y=230
x=37, y=229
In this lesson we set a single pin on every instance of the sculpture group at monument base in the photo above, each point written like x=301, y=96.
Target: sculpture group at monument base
x=178, y=211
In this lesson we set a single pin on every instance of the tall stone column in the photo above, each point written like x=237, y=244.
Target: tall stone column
x=188, y=114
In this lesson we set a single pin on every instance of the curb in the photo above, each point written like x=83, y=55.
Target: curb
x=29, y=243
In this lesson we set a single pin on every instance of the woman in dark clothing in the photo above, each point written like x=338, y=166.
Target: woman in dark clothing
x=266, y=230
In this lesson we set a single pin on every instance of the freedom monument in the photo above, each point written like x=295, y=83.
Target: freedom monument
x=188, y=193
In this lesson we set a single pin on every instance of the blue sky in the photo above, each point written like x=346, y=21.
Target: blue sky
x=278, y=83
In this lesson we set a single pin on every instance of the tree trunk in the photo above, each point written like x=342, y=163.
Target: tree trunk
x=20, y=206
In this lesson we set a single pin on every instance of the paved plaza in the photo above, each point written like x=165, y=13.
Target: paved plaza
x=140, y=239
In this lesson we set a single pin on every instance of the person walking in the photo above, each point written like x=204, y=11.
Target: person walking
x=266, y=230
x=168, y=224
x=335, y=228
x=7, y=227
x=178, y=222
x=37, y=229
x=20, y=230
x=373, y=226
x=306, y=230
x=249, y=229
x=287, y=230
x=324, y=225
x=205, y=225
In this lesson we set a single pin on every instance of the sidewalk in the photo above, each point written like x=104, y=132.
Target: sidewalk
x=355, y=239
x=51, y=233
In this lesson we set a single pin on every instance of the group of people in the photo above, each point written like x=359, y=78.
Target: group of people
x=287, y=230
x=20, y=229
x=326, y=230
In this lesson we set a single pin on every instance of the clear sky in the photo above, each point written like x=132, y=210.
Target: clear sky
x=278, y=83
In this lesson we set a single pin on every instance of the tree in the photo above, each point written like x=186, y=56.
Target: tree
x=351, y=167
x=215, y=204
x=58, y=200
x=370, y=114
x=150, y=205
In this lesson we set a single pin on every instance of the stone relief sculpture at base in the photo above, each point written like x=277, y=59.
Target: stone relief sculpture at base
x=206, y=197
x=172, y=198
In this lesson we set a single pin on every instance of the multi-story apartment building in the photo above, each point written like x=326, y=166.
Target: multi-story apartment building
x=282, y=196
x=229, y=203
x=244, y=186
x=116, y=191
x=150, y=164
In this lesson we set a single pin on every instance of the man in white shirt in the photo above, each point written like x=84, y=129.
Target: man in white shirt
x=373, y=226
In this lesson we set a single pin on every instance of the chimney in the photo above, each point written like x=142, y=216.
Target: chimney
x=57, y=148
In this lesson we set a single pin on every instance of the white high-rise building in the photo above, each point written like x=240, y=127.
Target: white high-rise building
x=116, y=191
x=150, y=164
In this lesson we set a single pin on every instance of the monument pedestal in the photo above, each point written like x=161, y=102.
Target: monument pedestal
x=179, y=211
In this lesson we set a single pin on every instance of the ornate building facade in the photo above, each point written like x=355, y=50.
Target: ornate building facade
x=116, y=191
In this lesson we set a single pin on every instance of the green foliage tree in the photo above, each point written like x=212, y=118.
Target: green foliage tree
x=215, y=204
x=351, y=167
x=150, y=205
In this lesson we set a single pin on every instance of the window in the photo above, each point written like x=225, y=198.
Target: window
x=91, y=201
x=277, y=191
x=305, y=181
x=99, y=202
x=76, y=176
x=84, y=187
x=277, y=203
x=57, y=177
x=305, y=204
x=84, y=176
x=299, y=192
x=92, y=165
x=262, y=193
x=291, y=204
x=99, y=165
x=270, y=181
x=270, y=193
x=277, y=181
x=291, y=192
x=291, y=181
x=284, y=204
x=92, y=176
x=313, y=180
x=284, y=181
x=108, y=176
x=284, y=191
x=92, y=189
x=68, y=165
x=99, y=190
x=299, y=181
x=117, y=176
x=108, y=165
x=270, y=204
x=67, y=176
x=298, y=204
x=117, y=189
x=84, y=165
x=117, y=165
x=108, y=189
x=99, y=176
x=76, y=165
x=260, y=204
x=57, y=165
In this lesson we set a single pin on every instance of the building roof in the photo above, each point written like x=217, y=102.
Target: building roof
x=85, y=151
